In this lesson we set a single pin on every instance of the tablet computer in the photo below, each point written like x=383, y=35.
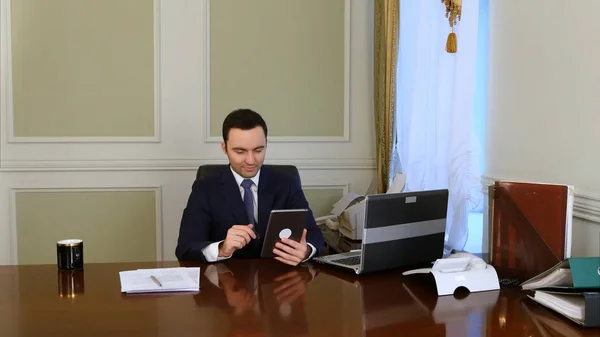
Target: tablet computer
x=283, y=223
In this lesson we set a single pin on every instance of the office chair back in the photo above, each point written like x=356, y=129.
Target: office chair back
x=290, y=170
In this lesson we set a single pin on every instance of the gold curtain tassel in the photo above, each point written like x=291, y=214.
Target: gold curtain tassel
x=451, y=43
x=453, y=14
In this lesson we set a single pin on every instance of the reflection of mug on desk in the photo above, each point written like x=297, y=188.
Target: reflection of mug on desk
x=70, y=283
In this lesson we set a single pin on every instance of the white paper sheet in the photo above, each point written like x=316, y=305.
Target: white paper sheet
x=171, y=279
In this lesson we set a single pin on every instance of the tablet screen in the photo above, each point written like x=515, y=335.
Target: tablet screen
x=283, y=223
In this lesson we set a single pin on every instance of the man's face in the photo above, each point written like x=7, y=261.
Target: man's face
x=246, y=150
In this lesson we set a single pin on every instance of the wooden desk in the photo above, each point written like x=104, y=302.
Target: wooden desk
x=245, y=300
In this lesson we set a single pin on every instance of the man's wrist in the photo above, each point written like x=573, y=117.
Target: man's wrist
x=221, y=254
x=211, y=252
x=310, y=252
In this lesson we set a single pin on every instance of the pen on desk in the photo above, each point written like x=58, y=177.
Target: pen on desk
x=156, y=280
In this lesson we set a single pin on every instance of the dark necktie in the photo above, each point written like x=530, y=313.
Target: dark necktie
x=249, y=199
x=249, y=203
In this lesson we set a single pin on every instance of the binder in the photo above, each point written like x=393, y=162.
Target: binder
x=571, y=288
x=583, y=272
x=530, y=227
x=590, y=306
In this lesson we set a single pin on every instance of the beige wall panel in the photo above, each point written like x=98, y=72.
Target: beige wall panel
x=116, y=226
x=321, y=200
x=83, y=68
x=284, y=59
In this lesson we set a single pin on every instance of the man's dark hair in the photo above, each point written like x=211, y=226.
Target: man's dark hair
x=244, y=119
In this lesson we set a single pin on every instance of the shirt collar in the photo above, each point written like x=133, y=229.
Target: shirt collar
x=239, y=178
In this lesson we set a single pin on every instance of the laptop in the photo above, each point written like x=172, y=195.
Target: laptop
x=400, y=229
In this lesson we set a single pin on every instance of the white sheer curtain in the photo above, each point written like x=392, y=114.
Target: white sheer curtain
x=436, y=145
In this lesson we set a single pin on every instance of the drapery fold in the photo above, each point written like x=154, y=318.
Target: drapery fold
x=385, y=61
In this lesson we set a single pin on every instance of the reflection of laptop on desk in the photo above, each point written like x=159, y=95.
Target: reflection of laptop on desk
x=401, y=229
x=379, y=307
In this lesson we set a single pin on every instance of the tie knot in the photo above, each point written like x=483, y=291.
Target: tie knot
x=247, y=183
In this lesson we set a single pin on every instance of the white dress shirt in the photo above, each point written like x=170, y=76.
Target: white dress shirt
x=211, y=252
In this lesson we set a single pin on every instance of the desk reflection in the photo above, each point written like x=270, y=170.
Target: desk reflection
x=386, y=306
x=516, y=314
x=264, y=298
x=548, y=324
x=71, y=283
x=259, y=302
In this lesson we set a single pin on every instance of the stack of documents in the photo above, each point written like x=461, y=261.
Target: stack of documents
x=160, y=280
x=571, y=288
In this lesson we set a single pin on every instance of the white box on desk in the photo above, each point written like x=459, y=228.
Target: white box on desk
x=352, y=219
x=350, y=213
x=350, y=210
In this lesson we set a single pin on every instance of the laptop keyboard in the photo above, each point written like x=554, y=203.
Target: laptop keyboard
x=349, y=261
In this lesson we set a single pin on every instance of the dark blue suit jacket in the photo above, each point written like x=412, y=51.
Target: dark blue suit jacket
x=215, y=204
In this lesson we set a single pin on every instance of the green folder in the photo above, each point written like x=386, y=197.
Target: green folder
x=585, y=272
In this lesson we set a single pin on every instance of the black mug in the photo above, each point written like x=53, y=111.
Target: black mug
x=69, y=254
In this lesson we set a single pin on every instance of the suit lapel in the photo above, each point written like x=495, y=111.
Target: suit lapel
x=233, y=197
x=265, y=200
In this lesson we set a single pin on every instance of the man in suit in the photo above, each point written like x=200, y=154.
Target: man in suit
x=227, y=213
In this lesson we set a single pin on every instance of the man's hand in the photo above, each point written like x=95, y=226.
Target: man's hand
x=291, y=252
x=237, y=237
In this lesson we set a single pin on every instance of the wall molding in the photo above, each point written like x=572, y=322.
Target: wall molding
x=286, y=139
x=12, y=216
x=585, y=206
x=6, y=81
x=172, y=164
x=344, y=187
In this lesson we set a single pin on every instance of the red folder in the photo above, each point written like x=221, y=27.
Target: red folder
x=530, y=227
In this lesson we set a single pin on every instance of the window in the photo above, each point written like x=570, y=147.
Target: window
x=440, y=116
x=476, y=221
